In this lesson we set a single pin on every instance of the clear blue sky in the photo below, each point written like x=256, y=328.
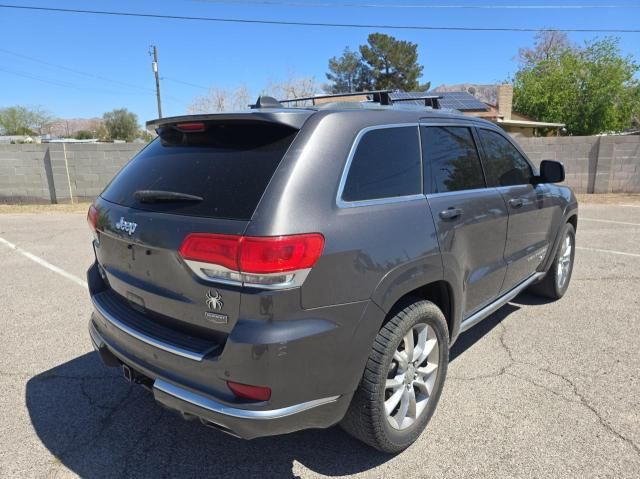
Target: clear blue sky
x=226, y=55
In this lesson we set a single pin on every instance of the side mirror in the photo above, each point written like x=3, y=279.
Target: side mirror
x=551, y=172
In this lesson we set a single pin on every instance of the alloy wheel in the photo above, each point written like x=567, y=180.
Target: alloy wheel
x=564, y=262
x=412, y=376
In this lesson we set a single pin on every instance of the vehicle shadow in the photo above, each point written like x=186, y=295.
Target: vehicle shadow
x=98, y=425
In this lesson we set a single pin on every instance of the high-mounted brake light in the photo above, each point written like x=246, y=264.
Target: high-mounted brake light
x=92, y=218
x=245, y=391
x=270, y=261
x=193, y=126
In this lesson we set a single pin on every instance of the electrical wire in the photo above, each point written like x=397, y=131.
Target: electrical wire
x=276, y=3
x=317, y=24
x=77, y=72
x=175, y=80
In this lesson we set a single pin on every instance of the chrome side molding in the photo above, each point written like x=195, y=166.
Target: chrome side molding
x=475, y=318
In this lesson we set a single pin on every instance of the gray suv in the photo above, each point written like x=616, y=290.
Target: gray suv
x=290, y=268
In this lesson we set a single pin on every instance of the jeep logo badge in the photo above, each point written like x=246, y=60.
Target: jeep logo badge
x=126, y=226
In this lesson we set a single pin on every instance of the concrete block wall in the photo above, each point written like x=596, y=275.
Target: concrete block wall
x=593, y=164
x=39, y=173
x=578, y=154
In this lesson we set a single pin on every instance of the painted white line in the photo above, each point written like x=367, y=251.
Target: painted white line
x=621, y=253
x=631, y=206
x=610, y=221
x=44, y=263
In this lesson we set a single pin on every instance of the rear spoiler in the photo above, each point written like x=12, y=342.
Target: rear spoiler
x=293, y=118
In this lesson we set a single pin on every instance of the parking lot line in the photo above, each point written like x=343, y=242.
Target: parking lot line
x=44, y=263
x=610, y=251
x=610, y=221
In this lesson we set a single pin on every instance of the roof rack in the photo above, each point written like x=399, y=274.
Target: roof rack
x=377, y=96
x=383, y=97
x=432, y=101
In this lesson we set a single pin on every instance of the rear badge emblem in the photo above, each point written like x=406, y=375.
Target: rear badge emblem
x=214, y=301
x=127, y=226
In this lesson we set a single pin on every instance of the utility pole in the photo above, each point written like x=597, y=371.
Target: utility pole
x=154, y=64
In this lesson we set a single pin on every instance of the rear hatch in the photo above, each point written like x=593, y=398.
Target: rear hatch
x=196, y=177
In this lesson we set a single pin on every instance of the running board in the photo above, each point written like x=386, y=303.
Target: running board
x=491, y=308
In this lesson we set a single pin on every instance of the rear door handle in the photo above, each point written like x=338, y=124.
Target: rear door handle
x=516, y=202
x=450, y=213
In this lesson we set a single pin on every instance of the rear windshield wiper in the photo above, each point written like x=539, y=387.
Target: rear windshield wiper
x=160, y=196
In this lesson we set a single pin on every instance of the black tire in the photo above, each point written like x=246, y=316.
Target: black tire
x=548, y=286
x=366, y=418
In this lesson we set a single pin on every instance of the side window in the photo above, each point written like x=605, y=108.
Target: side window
x=451, y=158
x=504, y=165
x=386, y=164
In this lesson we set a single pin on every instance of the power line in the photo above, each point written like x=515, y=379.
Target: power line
x=420, y=5
x=317, y=24
x=72, y=70
x=77, y=72
x=184, y=83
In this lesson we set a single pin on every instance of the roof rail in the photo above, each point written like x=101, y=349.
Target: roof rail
x=432, y=101
x=377, y=96
x=383, y=97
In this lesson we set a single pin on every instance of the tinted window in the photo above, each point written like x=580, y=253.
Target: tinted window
x=386, y=164
x=450, y=155
x=228, y=165
x=504, y=165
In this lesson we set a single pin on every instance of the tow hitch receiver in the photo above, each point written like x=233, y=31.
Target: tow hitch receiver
x=128, y=373
x=134, y=377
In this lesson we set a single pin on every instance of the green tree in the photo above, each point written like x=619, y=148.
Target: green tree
x=592, y=89
x=348, y=73
x=84, y=135
x=393, y=64
x=20, y=120
x=121, y=124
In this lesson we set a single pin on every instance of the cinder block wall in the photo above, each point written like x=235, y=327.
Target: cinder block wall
x=594, y=164
x=38, y=173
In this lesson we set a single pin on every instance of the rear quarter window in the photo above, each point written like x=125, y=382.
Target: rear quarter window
x=228, y=165
x=385, y=164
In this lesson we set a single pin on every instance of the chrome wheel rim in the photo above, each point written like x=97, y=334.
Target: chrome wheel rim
x=411, y=377
x=564, y=262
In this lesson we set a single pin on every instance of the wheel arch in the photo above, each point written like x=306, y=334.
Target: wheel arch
x=438, y=292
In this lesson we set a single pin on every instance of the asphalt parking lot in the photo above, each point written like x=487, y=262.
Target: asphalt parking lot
x=537, y=390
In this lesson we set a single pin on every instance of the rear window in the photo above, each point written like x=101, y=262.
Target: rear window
x=227, y=165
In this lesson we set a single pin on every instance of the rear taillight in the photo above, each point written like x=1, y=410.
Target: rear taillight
x=279, y=254
x=92, y=218
x=274, y=261
x=245, y=391
x=210, y=248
